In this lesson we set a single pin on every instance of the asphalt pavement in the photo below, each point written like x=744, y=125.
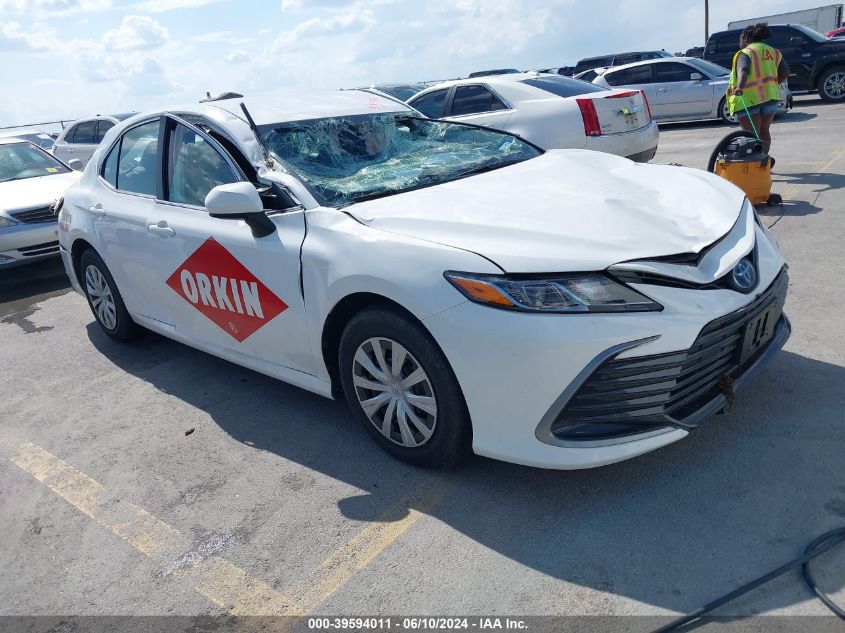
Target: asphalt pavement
x=278, y=503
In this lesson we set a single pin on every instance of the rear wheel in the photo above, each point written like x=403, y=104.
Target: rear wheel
x=831, y=85
x=725, y=113
x=400, y=386
x=104, y=299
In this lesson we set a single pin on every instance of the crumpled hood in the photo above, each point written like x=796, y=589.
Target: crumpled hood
x=567, y=210
x=35, y=192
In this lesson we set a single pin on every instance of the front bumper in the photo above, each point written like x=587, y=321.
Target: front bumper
x=25, y=243
x=518, y=371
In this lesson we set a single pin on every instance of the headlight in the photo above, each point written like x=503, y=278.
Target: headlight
x=4, y=222
x=580, y=292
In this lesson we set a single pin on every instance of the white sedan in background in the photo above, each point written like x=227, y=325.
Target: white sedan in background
x=680, y=88
x=31, y=181
x=551, y=111
x=80, y=138
x=460, y=287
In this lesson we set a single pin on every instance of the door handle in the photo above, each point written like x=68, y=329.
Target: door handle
x=161, y=229
x=69, y=150
x=97, y=210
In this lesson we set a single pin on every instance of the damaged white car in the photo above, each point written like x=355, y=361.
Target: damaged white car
x=461, y=288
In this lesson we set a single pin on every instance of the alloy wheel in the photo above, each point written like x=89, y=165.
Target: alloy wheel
x=394, y=392
x=834, y=85
x=101, y=297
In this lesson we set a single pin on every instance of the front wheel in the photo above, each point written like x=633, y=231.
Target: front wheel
x=400, y=386
x=104, y=299
x=831, y=85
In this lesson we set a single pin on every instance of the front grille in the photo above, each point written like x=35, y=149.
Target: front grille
x=660, y=390
x=35, y=216
x=39, y=249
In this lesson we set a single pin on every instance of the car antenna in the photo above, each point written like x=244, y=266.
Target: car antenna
x=267, y=160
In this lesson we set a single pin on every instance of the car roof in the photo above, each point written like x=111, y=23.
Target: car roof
x=493, y=80
x=645, y=62
x=12, y=140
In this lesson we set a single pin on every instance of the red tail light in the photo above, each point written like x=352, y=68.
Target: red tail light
x=647, y=107
x=590, y=116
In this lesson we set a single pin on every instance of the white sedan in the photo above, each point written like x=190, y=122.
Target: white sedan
x=460, y=287
x=31, y=181
x=680, y=88
x=551, y=111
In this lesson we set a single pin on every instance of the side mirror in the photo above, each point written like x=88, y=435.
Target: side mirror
x=696, y=77
x=796, y=42
x=240, y=201
x=75, y=164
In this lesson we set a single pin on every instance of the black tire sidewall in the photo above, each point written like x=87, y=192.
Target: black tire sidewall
x=452, y=437
x=722, y=104
x=823, y=80
x=125, y=329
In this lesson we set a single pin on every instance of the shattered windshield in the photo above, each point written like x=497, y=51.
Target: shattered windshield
x=353, y=158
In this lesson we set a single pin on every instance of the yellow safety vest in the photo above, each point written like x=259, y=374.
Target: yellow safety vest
x=762, y=84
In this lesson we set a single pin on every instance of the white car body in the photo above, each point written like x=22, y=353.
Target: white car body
x=28, y=228
x=697, y=89
x=79, y=139
x=549, y=120
x=517, y=370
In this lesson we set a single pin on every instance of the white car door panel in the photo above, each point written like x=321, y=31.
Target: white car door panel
x=224, y=287
x=677, y=95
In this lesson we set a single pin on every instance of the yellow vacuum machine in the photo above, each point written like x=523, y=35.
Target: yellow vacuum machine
x=741, y=159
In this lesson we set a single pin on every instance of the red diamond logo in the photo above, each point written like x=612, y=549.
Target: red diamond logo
x=222, y=288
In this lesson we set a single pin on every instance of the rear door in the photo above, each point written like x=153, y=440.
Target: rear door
x=677, y=94
x=798, y=54
x=480, y=105
x=80, y=142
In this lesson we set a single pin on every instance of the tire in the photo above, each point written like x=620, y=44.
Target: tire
x=831, y=85
x=721, y=145
x=445, y=437
x=104, y=299
x=723, y=113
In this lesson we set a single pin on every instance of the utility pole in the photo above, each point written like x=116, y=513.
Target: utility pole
x=706, y=20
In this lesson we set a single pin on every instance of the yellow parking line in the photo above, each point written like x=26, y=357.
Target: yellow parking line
x=793, y=189
x=336, y=570
x=220, y=581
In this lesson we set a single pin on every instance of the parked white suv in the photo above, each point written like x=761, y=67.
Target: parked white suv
x=80, y=138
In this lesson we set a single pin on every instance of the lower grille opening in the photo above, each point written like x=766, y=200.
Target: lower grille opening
x=39, y=249
x=627, y=396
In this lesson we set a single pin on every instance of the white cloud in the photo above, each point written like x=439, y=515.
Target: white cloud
x=52, y=7
x=13, y=37
x=238, y=56
x=160, y=6
x=356, y=19
x=136, y=32
x=220, y=37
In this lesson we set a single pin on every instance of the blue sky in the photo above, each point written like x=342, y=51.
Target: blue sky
x=72, y=58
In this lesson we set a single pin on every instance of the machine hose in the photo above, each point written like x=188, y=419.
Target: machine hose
x=721, y=145
x=817, y=547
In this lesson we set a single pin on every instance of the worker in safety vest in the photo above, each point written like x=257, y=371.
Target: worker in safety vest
x=757, y=72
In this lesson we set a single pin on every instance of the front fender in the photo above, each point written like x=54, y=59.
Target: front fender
x=341, y=257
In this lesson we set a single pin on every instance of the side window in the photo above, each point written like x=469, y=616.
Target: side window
x=473, y=100
x=103, y=127
x=431, y=104
x=70, y=133
x=136, y=165
x=672, y=72
x=194, y=168
x=85, y=132
x=728, y=43
x=630, y=76
x=110, y=166
x=780, y=38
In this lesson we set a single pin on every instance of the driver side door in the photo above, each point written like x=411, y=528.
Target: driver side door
x=225, y=290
